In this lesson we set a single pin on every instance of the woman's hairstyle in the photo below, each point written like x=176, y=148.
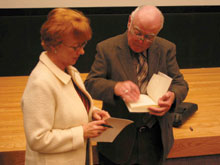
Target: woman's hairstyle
x=61, y=22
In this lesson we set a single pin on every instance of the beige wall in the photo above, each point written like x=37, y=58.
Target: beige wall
x=101, y=3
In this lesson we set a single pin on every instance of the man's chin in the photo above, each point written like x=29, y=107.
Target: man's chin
x=137, y=50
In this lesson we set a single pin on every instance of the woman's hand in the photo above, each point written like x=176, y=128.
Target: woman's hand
x=93, y=129
x=100, y=115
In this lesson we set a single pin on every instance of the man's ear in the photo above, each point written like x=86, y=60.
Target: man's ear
x=129, y=22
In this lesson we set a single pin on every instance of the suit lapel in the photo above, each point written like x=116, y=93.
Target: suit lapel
x=153, y=60
x=124, y=55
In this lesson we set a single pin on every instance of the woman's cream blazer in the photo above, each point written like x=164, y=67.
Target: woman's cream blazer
x=53, y=116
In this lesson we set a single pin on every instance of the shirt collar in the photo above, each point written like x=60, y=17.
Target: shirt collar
x=64, y=77
x=134, y=54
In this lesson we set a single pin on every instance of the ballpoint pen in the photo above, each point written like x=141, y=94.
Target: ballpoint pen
x=106, y=125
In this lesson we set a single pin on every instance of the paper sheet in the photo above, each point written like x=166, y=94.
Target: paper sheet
x=110, y=134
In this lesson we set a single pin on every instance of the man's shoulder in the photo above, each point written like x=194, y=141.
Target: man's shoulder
x=162, y=41
x=113, y=40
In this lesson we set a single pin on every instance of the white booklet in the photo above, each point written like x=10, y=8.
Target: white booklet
x=117, y=125
x=156, y=88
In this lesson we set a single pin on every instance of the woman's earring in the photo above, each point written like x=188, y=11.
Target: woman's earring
x=55, y=51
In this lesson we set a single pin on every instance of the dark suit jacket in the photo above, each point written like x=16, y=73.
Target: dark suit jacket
x=113, y=63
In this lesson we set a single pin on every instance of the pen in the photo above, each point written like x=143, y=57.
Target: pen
x=105, y=125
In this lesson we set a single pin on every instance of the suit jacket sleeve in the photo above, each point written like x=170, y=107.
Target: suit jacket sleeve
x=97, y=82
x=179, y=86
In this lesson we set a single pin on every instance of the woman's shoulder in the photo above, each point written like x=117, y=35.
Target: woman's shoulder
x=40, y=75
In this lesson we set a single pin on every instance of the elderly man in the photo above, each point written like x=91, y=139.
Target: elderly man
x=121, y=71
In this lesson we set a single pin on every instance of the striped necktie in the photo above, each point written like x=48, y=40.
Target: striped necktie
x=142, y=70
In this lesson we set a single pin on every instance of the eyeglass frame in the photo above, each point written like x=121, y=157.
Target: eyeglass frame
x=76, y=48
x=140, y=35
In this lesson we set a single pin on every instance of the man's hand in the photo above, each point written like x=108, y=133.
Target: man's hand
x=165, y=103
x=127, y=90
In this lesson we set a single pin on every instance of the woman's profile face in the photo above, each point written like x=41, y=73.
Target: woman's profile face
x=69, y=50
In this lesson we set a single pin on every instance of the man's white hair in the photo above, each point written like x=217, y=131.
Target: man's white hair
x=139, y=7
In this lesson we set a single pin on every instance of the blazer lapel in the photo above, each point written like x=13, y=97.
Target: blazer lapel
x=79, y=83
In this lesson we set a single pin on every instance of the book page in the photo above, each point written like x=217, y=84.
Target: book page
x=141, y=105
x=143, y=101
x=158, y=86
x=110, y=134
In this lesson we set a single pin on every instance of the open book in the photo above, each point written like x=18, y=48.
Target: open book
x=156, y=88
x=117, y=125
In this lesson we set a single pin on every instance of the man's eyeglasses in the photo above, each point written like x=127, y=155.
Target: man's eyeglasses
x=78, y=47
x=137, y=33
